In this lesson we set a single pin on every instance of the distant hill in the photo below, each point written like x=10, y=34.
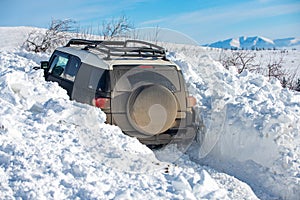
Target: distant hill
x=256, y=42
x=13, y=37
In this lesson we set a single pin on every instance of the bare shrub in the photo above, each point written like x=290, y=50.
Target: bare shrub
x=240, y=59
x=274, y=68
x=115, y=27
x=56, y=35
x=297, y=87
x=271, y=68
x=292, y=80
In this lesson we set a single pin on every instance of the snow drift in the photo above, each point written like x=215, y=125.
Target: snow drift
x=259, y=140
x=54, y=148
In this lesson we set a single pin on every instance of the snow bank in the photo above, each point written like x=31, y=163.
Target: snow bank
x=256, y=135
x=14, y=37
x=54, y=148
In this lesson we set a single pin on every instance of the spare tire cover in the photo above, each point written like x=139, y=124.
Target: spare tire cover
x=152, y=109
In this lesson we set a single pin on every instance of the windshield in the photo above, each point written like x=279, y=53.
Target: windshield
x=129, y=77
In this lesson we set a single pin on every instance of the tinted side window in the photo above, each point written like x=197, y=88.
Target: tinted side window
x=72, y=68
x=99, y=79
x=165, y=75
x=58, y=64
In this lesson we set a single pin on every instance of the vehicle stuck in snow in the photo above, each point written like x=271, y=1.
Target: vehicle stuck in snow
x=132, y=81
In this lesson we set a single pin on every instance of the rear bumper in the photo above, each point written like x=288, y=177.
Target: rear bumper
x=185, y=135
x=183, y=130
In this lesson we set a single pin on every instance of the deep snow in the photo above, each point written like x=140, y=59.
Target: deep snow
x=54, y=148
x=259, y=140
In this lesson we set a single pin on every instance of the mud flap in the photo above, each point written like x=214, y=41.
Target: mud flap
x=208, y=130
x=199, y=126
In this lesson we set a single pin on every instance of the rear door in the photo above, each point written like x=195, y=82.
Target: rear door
x=127, y=82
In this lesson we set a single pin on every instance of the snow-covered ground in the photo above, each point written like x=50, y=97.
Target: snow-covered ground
x=254, y=125
x=54, y=148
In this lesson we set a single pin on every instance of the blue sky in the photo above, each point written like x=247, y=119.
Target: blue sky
x=203, y=20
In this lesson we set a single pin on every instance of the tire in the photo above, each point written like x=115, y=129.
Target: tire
x=152, y=109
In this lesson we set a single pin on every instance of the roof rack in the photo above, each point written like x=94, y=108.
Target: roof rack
x=122, y=48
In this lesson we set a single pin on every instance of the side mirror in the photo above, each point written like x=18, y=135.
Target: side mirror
x=44, y=65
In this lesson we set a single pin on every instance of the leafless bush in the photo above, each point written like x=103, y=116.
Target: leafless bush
x=297, y=88
x=54, y=36
x=291, y=80
x=147, y=34
x=240, y=59
x=115, y=27
x=272, y=68
x=88, y=33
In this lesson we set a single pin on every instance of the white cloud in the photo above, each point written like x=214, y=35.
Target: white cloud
x=237, y=13
x=240, y=12
x=154, y=22
x=237, y=20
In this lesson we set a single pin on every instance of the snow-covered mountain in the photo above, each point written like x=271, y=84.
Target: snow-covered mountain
x=256, y=42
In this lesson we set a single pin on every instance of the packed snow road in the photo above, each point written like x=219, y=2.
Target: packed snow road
x=54, y=148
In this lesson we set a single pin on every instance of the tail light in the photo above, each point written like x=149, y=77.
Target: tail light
x=103, y=103
x=191, y=101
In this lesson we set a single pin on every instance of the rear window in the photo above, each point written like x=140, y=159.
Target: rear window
x=99, y=80
x=129, y=77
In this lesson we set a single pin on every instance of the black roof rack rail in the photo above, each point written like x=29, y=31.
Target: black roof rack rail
x=122, y=48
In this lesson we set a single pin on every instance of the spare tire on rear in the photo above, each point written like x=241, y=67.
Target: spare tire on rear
x=152, y=109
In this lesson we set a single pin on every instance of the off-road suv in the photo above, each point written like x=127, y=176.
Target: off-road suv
x=132, y=81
